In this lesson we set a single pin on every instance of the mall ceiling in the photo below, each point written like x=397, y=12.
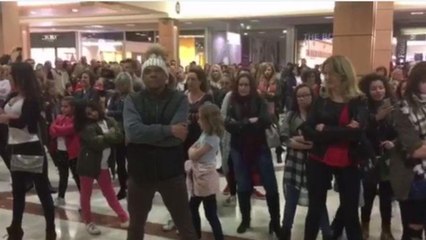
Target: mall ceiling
x=143, y=16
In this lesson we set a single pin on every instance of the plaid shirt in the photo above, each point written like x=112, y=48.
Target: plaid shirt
x=295, y=163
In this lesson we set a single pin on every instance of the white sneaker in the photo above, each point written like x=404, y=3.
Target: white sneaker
x=92, y=229
x=59, y=202
x=169, y=225
x=125, y=224
x=231, y=201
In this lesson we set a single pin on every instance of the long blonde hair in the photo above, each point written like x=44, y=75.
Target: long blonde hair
x=343, y=67
x=211, y=116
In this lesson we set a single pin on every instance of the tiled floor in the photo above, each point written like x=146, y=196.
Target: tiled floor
x=69, y=226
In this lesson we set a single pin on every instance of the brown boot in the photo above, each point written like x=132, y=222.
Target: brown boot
x=386, y=233
x=365, y=230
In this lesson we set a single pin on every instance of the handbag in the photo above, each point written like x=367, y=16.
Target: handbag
x=273, y=137
x=28, y=163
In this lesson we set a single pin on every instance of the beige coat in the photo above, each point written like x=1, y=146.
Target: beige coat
x=401, y=166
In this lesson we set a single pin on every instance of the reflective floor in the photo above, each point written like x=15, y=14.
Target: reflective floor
x=70, y=226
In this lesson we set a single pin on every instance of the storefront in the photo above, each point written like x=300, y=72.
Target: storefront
x=410, y=45
x=314, y=43
x=52, y=45
x=106, y=46
x=137, y=43
x=191, y=47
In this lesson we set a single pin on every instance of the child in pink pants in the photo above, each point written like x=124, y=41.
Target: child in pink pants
x=97, y=135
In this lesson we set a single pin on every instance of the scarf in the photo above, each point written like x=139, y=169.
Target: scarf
x=251, y=143
x=417, y=117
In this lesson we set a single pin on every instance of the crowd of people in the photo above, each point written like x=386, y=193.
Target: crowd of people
x=161, y=127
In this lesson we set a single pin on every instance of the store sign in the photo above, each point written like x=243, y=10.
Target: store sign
x=317, y=36
x=49, y=37
x=53, y=39
x=314, y=32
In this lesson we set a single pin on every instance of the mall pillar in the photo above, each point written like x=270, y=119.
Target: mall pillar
x=383, y=35
x=10, y=30
x=356, y=25
x=169, y=37
x=26, y=41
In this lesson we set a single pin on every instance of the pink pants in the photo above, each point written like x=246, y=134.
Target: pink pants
x=105, y=183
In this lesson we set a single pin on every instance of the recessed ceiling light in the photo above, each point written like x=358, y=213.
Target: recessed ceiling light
x=261, y=32
x=96, y=26
x=417, y=13
x=130, y=25
x=248, y=27
x=33, y=12
x=245, y=34
x=329, y=17
x=284, y=31
x=74, y=10
x=189, y=23
x=242, y=25
x=254, y=21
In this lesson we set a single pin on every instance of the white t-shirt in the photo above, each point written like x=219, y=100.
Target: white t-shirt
x=61, y=144
x=4, y=89
x=17, y=135
x=107, y=151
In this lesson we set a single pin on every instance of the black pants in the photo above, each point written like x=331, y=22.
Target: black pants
x=385, y=195
x=19, y=188
x=319, y=178
x=210, y=210
x=64, y=166
x=121, y=165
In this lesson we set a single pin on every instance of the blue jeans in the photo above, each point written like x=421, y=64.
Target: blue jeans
x=291, y=199
x=243, y=172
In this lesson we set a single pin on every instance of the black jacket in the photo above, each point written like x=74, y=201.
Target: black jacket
x=239, y=127
x=324, y=111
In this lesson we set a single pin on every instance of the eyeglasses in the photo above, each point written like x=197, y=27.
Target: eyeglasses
x=304, y=96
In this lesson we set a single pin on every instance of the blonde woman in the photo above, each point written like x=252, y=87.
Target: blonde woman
x=336, y=127
x=123, y=85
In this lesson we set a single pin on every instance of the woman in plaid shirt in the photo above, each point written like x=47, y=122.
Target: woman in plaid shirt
x=295, y=191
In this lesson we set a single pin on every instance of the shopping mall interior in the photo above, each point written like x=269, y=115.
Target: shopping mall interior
x=371, y=34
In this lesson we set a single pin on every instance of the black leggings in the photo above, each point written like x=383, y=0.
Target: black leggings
x=210, y=210
x=385, y=195
x=64, y=166
x=121, y=165
x=319, y=177
x=19, y=188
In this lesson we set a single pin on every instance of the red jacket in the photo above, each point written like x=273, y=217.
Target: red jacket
x=63, y=126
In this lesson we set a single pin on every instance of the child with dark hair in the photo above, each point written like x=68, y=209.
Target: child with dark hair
x=67, y=147
x=98, y=134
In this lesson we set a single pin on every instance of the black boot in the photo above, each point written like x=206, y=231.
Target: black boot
x=414, y=234
x=14, y=233
x=245, y=209
x=273, y=202
x=285, y=234
x=51, y=234
x=122, y=194
x=279, y=152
